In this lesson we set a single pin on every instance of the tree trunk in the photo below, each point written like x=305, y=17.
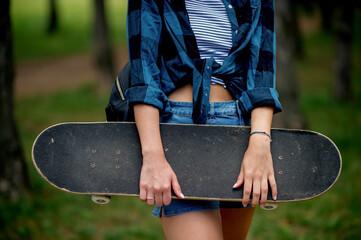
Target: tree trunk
x=13, y=173
x=102, y=47
x=53, y=17
x=327, y=8
x=294, y=31
x=343, y=58
x=287, y=83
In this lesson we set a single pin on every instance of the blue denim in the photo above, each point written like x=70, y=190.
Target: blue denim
x=220, y=113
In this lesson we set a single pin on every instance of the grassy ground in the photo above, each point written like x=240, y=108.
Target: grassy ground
x=46, y=213
x=335, y=215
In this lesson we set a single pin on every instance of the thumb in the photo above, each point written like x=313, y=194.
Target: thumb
x=176, y=187
x=240, y=180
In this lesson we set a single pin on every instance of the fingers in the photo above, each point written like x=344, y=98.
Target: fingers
x=147, y=197
x=154, y=196
x=158, y=198
x=247, y=189
x=150, y=200
x=272, y=182
x=264, y=192
x=259, y=190
x=160, y=194
x=239, y=181
x=256, y=187
x=256, y=193
x=167, y=198
x=143, y=194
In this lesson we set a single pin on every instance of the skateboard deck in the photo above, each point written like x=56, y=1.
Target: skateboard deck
x=105, y=159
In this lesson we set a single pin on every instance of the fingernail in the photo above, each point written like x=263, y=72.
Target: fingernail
x=182, y=195
x=244, y=205
x=234, y=186
x=275, y=198
x=262, y=205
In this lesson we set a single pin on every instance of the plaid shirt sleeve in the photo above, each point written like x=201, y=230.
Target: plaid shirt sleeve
x=261, y=77
x=144, y=26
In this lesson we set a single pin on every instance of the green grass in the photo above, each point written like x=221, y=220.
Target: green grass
x=29, y=22
x=46, y=213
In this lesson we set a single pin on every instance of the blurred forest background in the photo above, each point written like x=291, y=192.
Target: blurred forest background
x=59, y=60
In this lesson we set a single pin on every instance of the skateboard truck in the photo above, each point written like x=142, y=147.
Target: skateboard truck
x=270, y=206
x=99, y=199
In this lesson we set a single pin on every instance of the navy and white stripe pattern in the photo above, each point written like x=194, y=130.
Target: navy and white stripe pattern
x=211, y=26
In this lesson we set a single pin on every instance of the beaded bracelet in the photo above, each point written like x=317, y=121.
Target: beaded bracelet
x=269, y=135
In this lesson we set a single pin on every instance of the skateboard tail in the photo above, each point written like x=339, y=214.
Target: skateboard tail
x=339, y=156
x=71, y=161
x=322, y=163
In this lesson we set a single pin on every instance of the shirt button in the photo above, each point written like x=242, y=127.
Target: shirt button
x=230, y=6
x=236, y=32
x=207, y=67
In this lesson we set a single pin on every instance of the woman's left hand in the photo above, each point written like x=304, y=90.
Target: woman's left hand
x=257, y=171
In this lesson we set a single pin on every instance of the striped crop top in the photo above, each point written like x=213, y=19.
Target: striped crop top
x=211, y=26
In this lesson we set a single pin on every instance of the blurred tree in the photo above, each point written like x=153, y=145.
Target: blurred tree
x=13, y=173
x=327, y=8
x=343, y=56
x=293, y=30
x=102, y=47
x=53, y=17
x=287, y=84
x=338, y=17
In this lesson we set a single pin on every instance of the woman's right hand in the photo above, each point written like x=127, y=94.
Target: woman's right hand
x=157, y=179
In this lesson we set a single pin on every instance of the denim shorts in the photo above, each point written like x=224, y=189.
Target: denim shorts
x=220, y=113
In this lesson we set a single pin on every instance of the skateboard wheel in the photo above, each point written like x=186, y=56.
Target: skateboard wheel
x=270, y=206
x=100, y=199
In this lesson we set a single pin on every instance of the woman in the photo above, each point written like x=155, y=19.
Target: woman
x=203, y=62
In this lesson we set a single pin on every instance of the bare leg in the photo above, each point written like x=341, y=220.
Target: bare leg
x=236, y=222
x=194, y=225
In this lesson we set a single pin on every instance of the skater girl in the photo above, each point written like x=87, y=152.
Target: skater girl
x=203, y=62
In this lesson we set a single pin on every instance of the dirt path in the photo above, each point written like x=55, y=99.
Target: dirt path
x=38, y=77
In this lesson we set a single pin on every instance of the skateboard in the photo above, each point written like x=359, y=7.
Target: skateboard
x=104, y=159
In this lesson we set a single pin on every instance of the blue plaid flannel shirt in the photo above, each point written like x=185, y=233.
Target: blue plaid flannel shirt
x=164, y=55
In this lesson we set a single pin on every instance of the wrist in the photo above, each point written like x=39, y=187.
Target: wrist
x=264, y=133
x=259, y=140
x=153, y=155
